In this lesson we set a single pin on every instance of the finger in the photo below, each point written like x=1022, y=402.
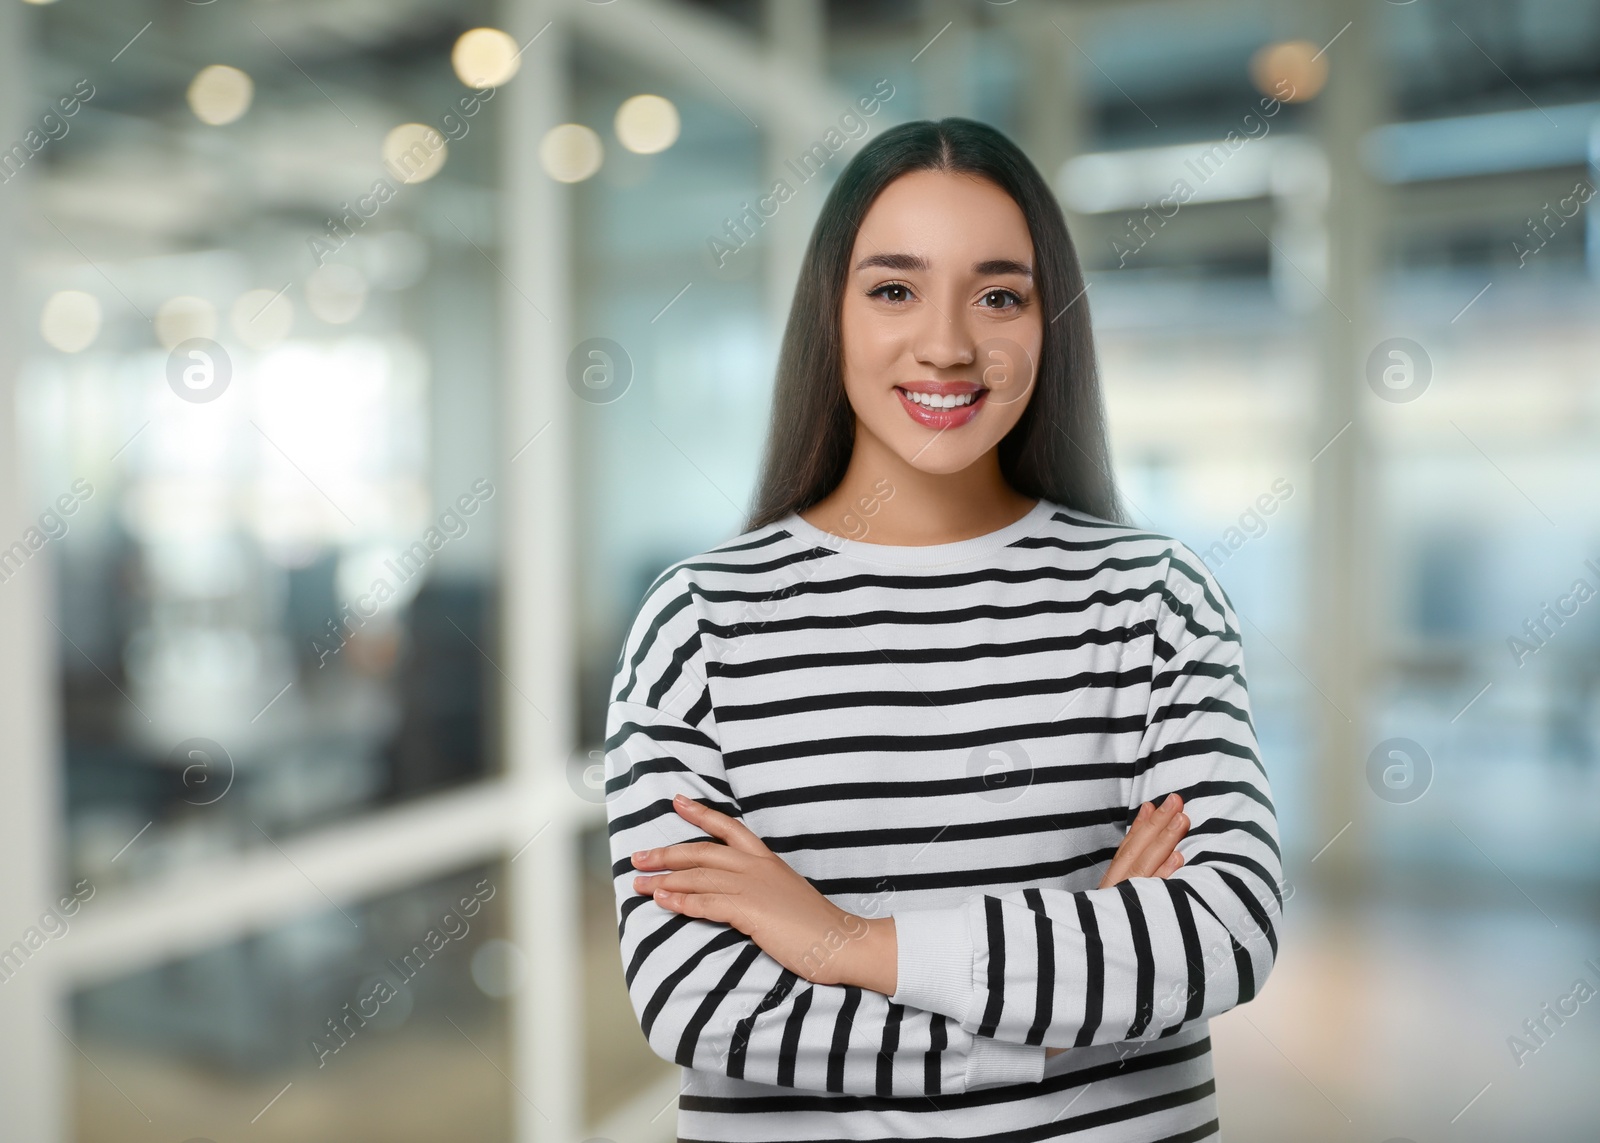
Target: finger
x=694, y=880
x=1165, y=829
x=706, y=893
x=1124, y=854
x=1161, y=846
x=707, y=906
x=699, y=892
x=1171, y=864
x=718, y=868
x=1143, y=833
x=719, y=824
x=1153, y=821
x=1146, y=828
x=690, y=855
x=683, y=881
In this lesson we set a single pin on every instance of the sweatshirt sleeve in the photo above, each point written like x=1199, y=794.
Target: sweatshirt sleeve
x=1148, y=956
x=706, y=996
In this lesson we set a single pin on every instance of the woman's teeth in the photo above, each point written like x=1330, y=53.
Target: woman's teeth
x=949, y=401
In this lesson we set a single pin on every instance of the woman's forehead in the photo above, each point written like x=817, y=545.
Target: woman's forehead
x=944, y=219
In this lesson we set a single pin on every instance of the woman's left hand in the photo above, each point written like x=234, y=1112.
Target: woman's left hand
x=746, y=885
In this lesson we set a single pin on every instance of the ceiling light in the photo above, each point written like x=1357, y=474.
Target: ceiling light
x=70, y=320
x=220, y=94
x=485, y=57
x=647, y=124
x=570, y=153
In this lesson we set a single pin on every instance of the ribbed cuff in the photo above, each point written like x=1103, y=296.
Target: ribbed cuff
x=933, y=961
x=994, y=1062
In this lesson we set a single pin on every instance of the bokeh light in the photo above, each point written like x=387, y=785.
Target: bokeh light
x=499, y=968
x=70, y=320
x=570, y=152
x=1292, y=71
x=414, y=152
x=180, y=318
x=220, y=94
x=647, y=124
x=485, y=57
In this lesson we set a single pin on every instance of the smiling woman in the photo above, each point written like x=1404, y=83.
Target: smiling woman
x=938, y=341
x=903, y=826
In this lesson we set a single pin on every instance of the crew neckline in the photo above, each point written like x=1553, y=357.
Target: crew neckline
x=920, y=555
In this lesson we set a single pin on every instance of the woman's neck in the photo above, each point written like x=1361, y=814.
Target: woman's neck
x=884, y=500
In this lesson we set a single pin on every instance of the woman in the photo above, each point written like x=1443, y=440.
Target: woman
x=919, y=705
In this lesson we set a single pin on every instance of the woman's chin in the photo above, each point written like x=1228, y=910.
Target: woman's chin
x=939, y=457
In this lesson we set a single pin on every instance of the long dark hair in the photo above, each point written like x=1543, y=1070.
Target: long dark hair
x=1058, y=448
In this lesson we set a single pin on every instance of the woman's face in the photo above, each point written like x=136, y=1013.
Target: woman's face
x=940, y=302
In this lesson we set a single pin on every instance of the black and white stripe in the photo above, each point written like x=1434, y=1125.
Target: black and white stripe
x=848, y=702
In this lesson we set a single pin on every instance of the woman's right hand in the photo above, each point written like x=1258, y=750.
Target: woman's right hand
x=1150, y=849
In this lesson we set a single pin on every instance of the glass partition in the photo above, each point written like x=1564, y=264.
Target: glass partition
x=256, y=402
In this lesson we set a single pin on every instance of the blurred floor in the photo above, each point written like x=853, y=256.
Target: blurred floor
x=1386, y=1022
x=424, y=1089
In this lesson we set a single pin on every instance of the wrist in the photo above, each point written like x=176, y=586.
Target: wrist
x=869, y=958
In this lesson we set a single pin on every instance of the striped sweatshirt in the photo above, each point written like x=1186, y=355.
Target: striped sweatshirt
x=957, y=736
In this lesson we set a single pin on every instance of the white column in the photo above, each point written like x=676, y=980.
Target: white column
x=33, y=1059
x=1340, y=631
x=796, y=31
x=537, y=652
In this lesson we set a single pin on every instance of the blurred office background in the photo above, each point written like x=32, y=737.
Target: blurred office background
x=299, y=300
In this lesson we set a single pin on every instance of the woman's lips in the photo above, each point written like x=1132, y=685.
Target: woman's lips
x=940, y=418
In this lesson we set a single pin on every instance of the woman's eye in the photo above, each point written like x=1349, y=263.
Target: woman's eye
x=1012, y=298
x=890, y=286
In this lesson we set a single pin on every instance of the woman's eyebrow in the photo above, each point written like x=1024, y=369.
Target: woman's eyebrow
x=1001, y=266
x=893, y=261
x=910, y=262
